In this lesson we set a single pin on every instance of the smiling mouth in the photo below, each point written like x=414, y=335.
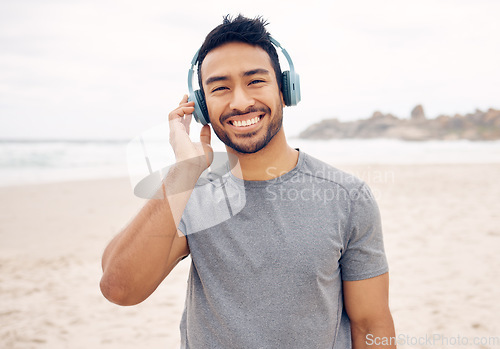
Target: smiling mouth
x=246, y=123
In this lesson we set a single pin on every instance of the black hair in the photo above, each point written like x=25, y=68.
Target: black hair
x=240, y=29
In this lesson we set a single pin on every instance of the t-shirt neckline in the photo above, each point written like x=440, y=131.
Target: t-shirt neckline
x=280, y=179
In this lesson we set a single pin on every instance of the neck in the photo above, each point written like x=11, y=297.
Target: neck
x=274, y=160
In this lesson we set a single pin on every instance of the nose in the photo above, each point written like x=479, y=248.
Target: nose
x=241, y=100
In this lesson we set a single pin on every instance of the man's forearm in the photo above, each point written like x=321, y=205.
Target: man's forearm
x=138, y=258
x=379, y=334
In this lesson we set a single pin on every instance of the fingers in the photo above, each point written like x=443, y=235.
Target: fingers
x=181, y=111
x=185, y=108
x=184, y=99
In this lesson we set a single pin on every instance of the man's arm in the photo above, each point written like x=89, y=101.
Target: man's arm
x=138, y=259
x=367, y=305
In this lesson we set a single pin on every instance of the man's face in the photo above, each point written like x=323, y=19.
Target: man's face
x=242, y=95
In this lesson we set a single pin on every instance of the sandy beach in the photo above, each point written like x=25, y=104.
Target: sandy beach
x=442, y=236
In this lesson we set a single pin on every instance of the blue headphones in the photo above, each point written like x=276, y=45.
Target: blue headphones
x=290, y=87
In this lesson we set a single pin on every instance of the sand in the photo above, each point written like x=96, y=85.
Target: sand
x=442, y=237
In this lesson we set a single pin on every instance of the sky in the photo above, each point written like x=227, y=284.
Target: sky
x=112, y=69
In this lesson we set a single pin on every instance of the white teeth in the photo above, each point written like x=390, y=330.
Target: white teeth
x=239, y=123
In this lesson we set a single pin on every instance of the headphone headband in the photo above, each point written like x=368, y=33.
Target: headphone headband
x=285, y=53
x=290, y=86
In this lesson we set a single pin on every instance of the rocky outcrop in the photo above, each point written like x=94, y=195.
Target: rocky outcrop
x=418, y=113
x=475, y=126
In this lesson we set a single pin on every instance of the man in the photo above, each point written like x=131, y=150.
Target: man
x=286, y=251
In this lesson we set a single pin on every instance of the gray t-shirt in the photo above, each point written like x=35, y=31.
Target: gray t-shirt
x=269, y=257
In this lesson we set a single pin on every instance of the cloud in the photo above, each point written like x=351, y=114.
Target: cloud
x=106, y=69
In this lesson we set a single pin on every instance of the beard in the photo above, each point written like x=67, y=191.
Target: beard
x=245, y=143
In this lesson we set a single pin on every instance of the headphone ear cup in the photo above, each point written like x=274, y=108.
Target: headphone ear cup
x=291, y=88
x=200, y=108
x=285, y=87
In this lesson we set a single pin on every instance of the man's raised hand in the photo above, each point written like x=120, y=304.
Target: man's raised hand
x=199, y=154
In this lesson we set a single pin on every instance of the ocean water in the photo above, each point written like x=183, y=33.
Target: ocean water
x=31, y=162
x=391, y=151
x=24, y=162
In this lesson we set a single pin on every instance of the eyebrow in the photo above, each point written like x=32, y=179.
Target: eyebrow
x=256, y=71
x=213, y=79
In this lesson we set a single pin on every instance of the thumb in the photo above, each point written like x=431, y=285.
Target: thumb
x=205, y=135
x=205, y=138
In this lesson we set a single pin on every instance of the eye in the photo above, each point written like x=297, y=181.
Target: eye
x=256, y=81
x=219, y=88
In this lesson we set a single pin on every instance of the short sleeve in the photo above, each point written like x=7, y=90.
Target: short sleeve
x=182, y=226
x=363, y=256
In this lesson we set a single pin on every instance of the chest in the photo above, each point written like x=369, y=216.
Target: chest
x=274, y=239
